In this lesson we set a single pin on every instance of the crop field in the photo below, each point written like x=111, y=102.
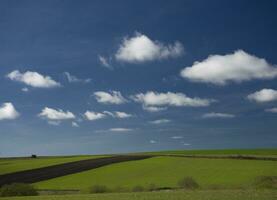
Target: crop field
x=10, y=165
x=166, y=172
x=223, y=152
x=172, y=195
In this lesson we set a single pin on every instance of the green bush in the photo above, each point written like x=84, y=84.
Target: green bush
x=269, y=182
x=152, y=187
x=98, y=189
x=18, y=189
x=188, y=183
x=138, y=188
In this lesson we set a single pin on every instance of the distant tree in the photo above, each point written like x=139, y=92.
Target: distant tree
x=33, y=156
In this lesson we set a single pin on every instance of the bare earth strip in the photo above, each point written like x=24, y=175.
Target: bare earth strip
x=45, y=173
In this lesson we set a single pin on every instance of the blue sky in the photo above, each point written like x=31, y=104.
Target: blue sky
x=90, y=77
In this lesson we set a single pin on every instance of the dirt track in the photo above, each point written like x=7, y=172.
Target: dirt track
x=45, y=173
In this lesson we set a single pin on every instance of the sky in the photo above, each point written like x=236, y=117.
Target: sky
x=94, y=77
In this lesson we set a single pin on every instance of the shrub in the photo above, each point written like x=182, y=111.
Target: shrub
x=98, y=189
x=152, y=187
x=269, y=182
x=138, y=188
x=18, y=189
x=188, y=183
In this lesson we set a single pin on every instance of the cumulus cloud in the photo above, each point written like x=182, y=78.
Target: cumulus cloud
x=8, y=111
x=54, y=123
x=236, y=67
x=155, y=100
x=160, y=121
x=33, y=79
x=273, y=110
x=91, y=116
x=218, y=115
x=105, y=62
x=141, y=48
x=55, y=115
x=264, y=95
x=114, y=97
x=73, y=79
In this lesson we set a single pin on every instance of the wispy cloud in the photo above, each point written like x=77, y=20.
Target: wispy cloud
x=73, y=79
x=105, y=62
x=113, y=97
x=218, y=115
x=160, y=121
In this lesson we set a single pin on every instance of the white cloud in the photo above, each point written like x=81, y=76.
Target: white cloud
x=157, y=100
x=74, y=124
x=105, y=62
x=177, y=137
x=54, y=123
x=90, y=115
x=153, y=141
x=25, y=89
x=56, y=115
x=218, y=115
x=264, y=95
x=153, y=108
x=122, y=114
x=74, y=79
x=33, y=79
x=114, y=97
x=237, y=67
x=120, y=129
x=160, y=121
x=273, y=110
x=140, y=48
x=8, y=111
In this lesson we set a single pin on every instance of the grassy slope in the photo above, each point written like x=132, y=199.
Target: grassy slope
x=254, y=152
x=165, y=172
x=177, y=195
x=10, y=165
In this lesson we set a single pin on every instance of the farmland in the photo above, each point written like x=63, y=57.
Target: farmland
x=218, y=177
x=172, y=195
x=166, y=171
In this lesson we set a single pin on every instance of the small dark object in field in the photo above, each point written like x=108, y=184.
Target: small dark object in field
x=269, y=182
x=18, y=189
x=138, y=188
x=33, y=156
x=188, y=183
x=98, y=189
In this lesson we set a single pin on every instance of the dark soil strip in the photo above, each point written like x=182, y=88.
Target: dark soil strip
x=45, y=173
x=238, y=157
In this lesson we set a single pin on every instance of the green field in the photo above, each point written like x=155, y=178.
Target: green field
x=224, y=152
x=166, y=172
x=172, y=195
x=9, y=165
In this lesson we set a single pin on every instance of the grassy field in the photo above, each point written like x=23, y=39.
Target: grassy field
x=172, y=195
x=224, y=152
x=9, y=165
x=166, y=172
